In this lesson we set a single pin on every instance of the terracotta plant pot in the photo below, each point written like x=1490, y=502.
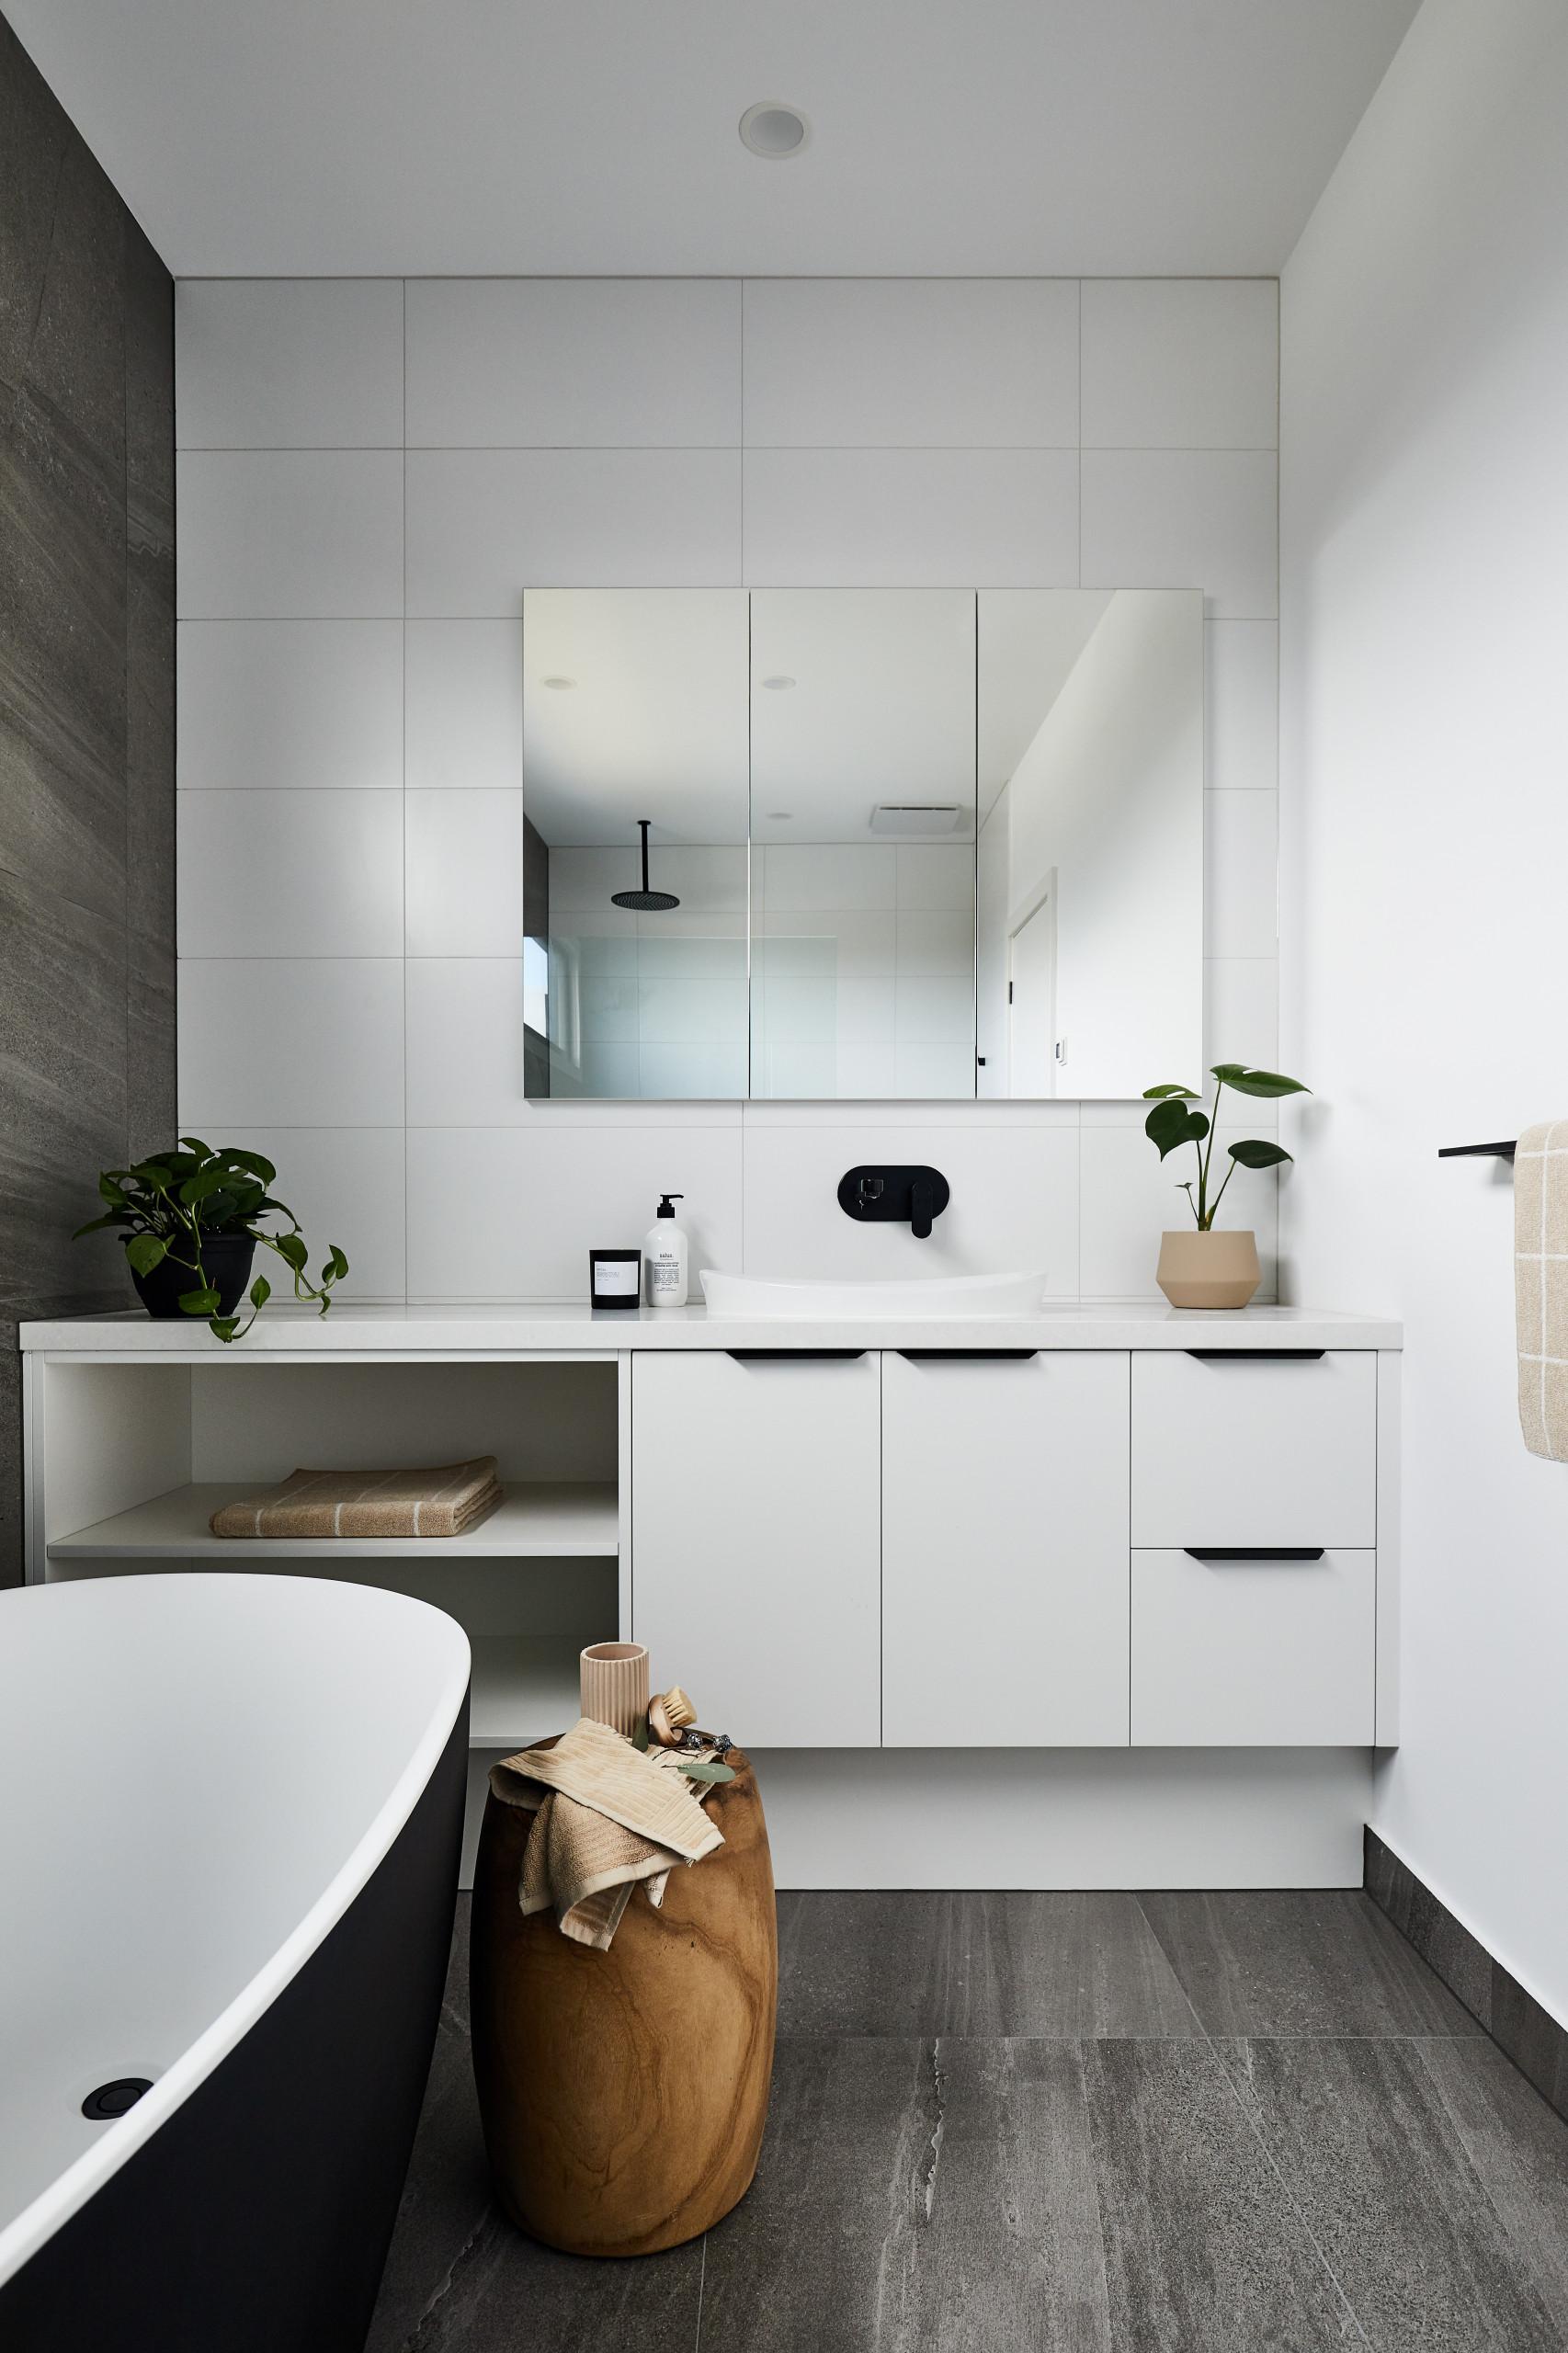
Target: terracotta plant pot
x=1207, y=1269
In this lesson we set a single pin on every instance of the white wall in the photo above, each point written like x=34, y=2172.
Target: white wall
x=371, y=472
x=1425, y=604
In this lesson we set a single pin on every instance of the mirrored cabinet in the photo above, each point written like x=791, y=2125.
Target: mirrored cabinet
x=917, y=843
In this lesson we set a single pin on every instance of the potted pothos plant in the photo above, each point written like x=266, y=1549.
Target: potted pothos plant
x=189, y=1220
x=1202, y=1267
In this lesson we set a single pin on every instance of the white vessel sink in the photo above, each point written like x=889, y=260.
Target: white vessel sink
x=918, y=1295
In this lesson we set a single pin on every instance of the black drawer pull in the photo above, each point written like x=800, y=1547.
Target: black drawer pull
x=800, y=1356
x=967, y=1356
x=1256, y=1355
x=1254, y=1552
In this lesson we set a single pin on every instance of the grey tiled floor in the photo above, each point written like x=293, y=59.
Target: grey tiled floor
x=1098, y=2123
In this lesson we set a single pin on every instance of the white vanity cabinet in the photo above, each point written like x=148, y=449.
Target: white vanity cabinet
x=1004, y=1587
x=755, y=1539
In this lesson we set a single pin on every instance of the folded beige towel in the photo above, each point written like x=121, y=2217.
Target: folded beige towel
x=1540, y=1285
x=606, y=1816
x=442, y=1502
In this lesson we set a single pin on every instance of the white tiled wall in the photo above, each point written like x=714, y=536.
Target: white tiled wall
x=370, y=475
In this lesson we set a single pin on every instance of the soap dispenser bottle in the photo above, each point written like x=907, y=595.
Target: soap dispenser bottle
x=663, y=1254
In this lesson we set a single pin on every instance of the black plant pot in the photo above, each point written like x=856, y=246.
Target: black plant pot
x=227, y=1258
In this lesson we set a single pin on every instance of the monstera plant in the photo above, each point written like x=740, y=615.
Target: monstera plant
x=1203, y=1268
x=190, y=1220
x=1171, y=1124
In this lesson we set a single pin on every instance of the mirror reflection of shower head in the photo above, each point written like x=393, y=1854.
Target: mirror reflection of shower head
x=645, y=902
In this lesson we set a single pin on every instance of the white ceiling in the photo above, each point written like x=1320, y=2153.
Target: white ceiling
x=995, y=137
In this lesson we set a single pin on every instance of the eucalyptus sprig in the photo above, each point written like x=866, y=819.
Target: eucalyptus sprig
x=1170, y=1124
x=169, y=1208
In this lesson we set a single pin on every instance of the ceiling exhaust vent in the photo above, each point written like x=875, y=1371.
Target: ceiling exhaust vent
x=908, y=818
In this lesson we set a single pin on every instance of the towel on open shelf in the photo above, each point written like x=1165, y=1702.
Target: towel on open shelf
x=444, y=1501
x=1540, y=1285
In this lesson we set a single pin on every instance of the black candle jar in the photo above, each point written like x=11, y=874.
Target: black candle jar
x=615, y=1278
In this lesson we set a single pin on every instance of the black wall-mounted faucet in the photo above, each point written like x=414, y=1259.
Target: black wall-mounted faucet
x=894, y=1195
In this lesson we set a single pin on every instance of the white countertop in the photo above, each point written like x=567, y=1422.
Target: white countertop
x=504, y=1328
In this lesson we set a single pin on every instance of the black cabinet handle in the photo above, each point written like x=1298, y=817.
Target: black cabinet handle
x=1254, y=1552
x=967, y=1356
x=1220, y=1355
x=799, y=1356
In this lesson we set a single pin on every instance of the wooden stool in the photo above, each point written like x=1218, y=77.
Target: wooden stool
x=624, y=2093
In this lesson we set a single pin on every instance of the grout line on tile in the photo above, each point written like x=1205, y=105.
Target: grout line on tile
x=701, y=2284
x=1254, y=2127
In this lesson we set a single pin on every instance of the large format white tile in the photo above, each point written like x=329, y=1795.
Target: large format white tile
x=1241, y=874
x=856, y=943
x=465, y=873
x=345, y=1185
x=290, y=874
x=885, y=1109
x=311, y=1042
x=1185, y=518
x=1181, y=363
x=912, y=363
x=1131, y=1197
x=285, y=534
x=289, y=704
x=573, y=363
x=289, y=363
x=1240, y=714
x=937, y=1011
x=1241, y=1014
x=933, y=940
x=1014, y=1204
x=485, y=524
x=464, y=691
x=931, y=875
x=826, y=878
x=465, y=1042
x=874, y=519
x=924, y=1068
x=536, y=1201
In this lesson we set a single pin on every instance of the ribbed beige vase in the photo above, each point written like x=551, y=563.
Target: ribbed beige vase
x=615, y=1684
x=1207, y=1269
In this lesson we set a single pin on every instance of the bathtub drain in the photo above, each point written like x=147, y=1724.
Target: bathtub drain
x=114, y=2099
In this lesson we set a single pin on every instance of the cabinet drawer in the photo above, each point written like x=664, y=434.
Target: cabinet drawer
x=1236, y=1449
x=1253, y=1653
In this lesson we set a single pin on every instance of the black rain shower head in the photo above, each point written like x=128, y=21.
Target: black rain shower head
x=645, y=902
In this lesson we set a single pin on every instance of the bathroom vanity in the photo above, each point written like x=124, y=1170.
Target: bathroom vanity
x=1119, y=1583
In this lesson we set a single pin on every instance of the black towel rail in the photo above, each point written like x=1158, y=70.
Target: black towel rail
x=1477, y=1150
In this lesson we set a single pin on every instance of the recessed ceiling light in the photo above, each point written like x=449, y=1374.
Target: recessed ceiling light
x=773, y=131
x=777, y=686
x=780, y=817
x=560, y=684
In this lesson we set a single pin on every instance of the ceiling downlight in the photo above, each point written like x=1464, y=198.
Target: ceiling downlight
x=773, y=131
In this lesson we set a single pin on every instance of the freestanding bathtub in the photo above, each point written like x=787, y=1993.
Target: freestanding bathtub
x=229, y=1814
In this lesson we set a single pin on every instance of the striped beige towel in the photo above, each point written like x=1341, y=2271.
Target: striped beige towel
x=1540, y=1286
x=607, y=1817
x=446, y=1501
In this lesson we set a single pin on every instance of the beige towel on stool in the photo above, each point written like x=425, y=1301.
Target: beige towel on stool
x=1540, y=1286
x=606, y=1816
